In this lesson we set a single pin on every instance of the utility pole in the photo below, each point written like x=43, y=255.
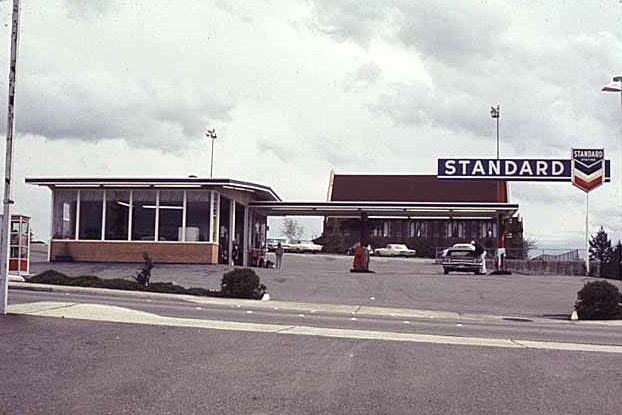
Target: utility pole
x=8, y=166
x=211, y=134
x=496, y=113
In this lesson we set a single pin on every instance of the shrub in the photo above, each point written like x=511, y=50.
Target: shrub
x=144, y=273
x=599, y=300
x=242, y=283
x=49, y=276
x=55, y=277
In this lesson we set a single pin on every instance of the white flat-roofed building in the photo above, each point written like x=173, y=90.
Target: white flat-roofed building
x=175, y=220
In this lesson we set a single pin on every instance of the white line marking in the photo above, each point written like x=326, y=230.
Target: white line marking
x=98, y=312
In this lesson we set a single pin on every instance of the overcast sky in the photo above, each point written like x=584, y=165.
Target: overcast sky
x=297, y=88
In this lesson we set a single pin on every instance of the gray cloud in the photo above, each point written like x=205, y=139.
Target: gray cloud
x=89, y=9
x=364, y=77
x=91, y=108
x=350, y=20
x=444, y=30
x=451, y=31
x=279, y=151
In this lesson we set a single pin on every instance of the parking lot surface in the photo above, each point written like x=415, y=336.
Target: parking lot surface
x=396, y=282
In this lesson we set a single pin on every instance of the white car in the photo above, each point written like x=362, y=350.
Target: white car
x=303, y=246
x=462, y=258
x=272, y=243
x=395, y=250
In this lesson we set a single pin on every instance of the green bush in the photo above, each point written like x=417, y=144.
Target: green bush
x=58, y=278
x=599, y=300
x=241, y=283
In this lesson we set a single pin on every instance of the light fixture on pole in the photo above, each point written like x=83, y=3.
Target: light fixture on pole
x=8, y=166
x=211, y=134
x=616, y=86
x=495, y=113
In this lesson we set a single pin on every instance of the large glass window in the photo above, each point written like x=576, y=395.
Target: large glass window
x=170, y=215
x=386, y=229
x=197, y=215
x=91, y=205
x=375, y=228
x=455, y=229
x=489, y=229
x=64, y=214
x=418, y=229
x=117, y=215
x=143, y=215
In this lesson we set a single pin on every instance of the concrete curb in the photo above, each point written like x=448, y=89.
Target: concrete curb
x=311, y=308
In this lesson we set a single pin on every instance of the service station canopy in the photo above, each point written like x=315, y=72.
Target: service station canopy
x=268, y=203
x=414, y=210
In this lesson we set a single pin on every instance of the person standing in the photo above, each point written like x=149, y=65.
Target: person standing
x=278, y=252
x=480, y=252
x=367, y=255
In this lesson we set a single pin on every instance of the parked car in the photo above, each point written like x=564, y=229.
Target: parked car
x=462, y=258
x=303, y=246
x=350, y=250
x=395, y=250
x=271, y=243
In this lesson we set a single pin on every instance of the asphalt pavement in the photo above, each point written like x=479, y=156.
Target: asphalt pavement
x=67, y=366
x=397, y=282
x=97, y=351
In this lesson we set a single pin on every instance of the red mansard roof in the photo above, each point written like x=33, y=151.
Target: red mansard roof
x=413, y=188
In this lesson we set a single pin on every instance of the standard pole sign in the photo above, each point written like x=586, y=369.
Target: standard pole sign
x=588, y=172
x=588, y=168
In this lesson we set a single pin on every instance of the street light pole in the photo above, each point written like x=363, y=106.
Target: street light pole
x=211, y=134
x=496, y=113
x=8, y=166
x=616, y=86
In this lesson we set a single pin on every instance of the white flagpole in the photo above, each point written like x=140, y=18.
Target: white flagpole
x=8, y=167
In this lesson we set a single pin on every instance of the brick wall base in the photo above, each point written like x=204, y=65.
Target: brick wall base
x=105, y=251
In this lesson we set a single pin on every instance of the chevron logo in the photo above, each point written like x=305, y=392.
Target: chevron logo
x=588, y=168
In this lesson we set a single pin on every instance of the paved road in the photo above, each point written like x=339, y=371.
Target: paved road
x=66, y=366
x=411, y=283
x=433, y=323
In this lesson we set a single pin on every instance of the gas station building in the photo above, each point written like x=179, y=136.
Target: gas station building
x=208, y=221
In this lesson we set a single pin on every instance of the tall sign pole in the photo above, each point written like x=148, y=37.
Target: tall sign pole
x=8, y=166
x=587, y=233
x=588, y=173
